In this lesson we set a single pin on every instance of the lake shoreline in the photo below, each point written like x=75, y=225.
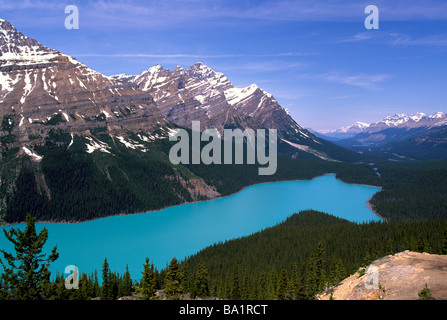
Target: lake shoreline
x=199, y=201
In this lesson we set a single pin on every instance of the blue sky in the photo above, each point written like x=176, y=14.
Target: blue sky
x=315, y=56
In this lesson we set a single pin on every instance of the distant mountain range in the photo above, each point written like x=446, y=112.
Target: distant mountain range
x=76, y=144
x=397, y=137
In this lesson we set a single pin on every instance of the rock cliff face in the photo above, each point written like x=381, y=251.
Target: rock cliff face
x=398, y=277
x=41, y=89
x=200, y=93
x=55, y=112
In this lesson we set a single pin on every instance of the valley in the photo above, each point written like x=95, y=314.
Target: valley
x=70, y=134
x=398, y=137
x=95, y=161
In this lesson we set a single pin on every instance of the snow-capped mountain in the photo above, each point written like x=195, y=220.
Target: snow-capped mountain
x=200, y=93
x=409, y=121
x=70, y=134
x=399, y=121
x=344, y=132
x=40, y=86
x=398, y=137
x=50, y=101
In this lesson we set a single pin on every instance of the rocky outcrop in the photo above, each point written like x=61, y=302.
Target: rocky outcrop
x=42, y=89
x=397, y=277
x=201, y=94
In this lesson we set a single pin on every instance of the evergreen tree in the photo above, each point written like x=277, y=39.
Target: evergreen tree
x=377, y=253
x=184, y=278
x=127, y=283
x=283, y=285
x=148, y=282
x=337, y=272
x=235, y=288
x=426, y=246
x=96, y=288
x=106, y=288
x=367, y=261
x=272, y=287
x=245, y=287
x=294, y=279
x=173, y=287
x=115, y=286
x=83, y=292
x=27, y=276
x=425, y=294
x=311, y=286
x=261, y=286
x=201, y=284
x=315, y=273
x=228, y=287
x=220, y=288
x=444, y=242
x=389, y=247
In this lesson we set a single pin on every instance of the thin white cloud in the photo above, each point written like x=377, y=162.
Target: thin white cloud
x=362, y=36
x=189, y=55
x=371, y=82
x=432, y=40
x=394, y=38
x=135, y=14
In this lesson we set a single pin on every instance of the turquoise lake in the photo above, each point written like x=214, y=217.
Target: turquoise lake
x=183, y=230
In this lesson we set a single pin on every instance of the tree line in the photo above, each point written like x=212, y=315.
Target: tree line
x=296, y=259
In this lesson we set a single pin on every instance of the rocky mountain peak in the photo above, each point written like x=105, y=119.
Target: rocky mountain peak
x=41, y=88
x=178, y=70
x=16, y=49
x=199, y=71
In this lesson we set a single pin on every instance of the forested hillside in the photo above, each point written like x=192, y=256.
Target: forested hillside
x=295, y=259
x=309, y=251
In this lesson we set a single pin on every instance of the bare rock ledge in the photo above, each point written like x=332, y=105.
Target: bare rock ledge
x=398, y=277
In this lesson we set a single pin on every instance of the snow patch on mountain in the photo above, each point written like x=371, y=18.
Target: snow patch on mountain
x=236, y=95
x=35, y=157
x=130, y=144
x=96, y=145
x=397, y=121
x=310, y=150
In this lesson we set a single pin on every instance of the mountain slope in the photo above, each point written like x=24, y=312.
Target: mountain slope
x=344, y=132
x=57, y=113
x=372, y=133
x=77, y=145
x=400, y=137
x=430, y=144
x=201, y=94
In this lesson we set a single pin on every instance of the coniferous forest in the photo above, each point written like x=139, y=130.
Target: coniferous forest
x=296, y=259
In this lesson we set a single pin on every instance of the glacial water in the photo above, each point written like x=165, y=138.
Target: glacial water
x=184, y=230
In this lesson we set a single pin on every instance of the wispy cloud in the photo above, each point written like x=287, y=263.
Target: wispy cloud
x=371, y=82
x=190, y=55
x=432, y=40
x=395, y=38
x=133, y=14
x=362, y=36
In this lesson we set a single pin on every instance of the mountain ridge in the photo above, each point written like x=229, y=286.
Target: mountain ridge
x=200, y=93
x=397, y=121
x=76, y=144
x=397, y=138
